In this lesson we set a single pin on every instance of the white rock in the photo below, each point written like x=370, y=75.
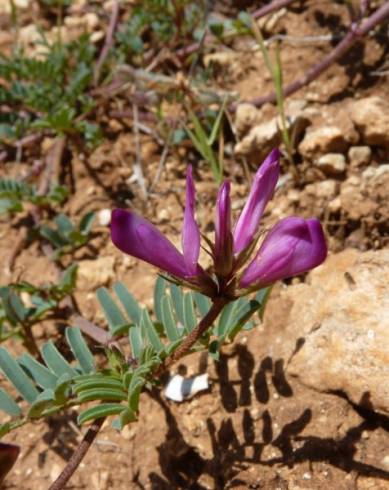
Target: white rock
x=96, y=36
x=326, y=188
x=366, y=194
x=359, y=155
x=263, y=137
x=245, y=117
x=228, y=62
x=104, y=217
x=371, y=116
x=163, y=215
x=343, y=315
x=260, y=140
x=376, y=172
x=92, y=274
x=29, y=35
x=179, y=388
x=55, y=470
x=385, y=461
x=323, y=140
x=335, y=205
x=6, y=6
x=332, y=163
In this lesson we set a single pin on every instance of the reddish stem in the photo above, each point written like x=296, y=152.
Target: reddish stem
x=257, y=14
x=183, y=349
x=108, y=41
x=78, y=455
x=217, y=306
x=355, y=33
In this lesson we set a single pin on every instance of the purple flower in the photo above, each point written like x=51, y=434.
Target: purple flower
x=8, y=455
x=293, y=246
x=190, y=231
x=136, y=236
x=223, y=218
x=261, y=191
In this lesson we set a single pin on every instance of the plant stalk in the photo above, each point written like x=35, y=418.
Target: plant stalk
x=78, y=455
x=355, y=33
x=261, y=12
x=217, y=306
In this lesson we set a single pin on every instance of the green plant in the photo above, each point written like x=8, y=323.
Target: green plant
x=161, y=22
x=204, y=142
x=225, y=28
x=55, y=384
x=65, y=237
x=49, y=91
x=17, y=319
x=275, y=70
x=14, y=194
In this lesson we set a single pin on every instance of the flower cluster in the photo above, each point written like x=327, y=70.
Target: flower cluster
x=294, y=245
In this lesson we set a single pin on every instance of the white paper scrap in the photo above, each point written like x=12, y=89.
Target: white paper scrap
x=179, y=388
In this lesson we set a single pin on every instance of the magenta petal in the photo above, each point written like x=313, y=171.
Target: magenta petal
x=190, y=232
x=293, y=246
x=8, y=455
x=136, y=236
x=223, y=219
x=261, y=191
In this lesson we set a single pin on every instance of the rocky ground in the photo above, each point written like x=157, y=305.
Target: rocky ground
x=302, y=401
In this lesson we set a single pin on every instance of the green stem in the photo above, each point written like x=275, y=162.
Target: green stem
x=217, y=306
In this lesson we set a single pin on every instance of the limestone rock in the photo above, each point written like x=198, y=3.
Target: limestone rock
x=335, y=205
x=245, y=118
x=359, y=156
x=332, y=131
x=225, y=61
x=260, y=140
x=258, y=137
x=6, y=7
x=29, y=35
x=341, y=321
x=371, y=116
x=327, y=139
x=366, y=194
x=332, y=163
x=95, y=273
x=315, y=197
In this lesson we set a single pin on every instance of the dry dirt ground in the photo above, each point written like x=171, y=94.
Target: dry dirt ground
x=257, y=427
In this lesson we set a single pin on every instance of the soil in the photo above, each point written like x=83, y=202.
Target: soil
x=256, y=427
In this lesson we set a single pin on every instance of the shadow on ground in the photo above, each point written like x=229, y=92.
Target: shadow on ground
x=181, y=464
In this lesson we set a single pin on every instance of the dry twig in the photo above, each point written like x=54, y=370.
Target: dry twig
x=78, y=455
x=109, y=40
x=356, y=32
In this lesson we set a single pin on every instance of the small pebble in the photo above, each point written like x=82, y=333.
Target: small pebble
x=359, y=155
x=332, y=163
x=163, y=215
x=104, y=217
x=385, y=461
